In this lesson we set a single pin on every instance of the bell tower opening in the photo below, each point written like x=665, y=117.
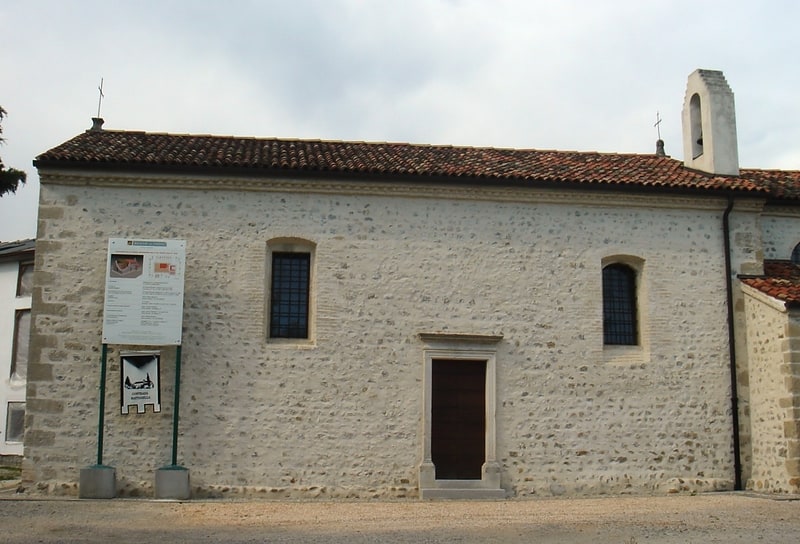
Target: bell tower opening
x=695, y=120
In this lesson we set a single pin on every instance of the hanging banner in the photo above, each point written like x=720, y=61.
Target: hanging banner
x=141, y=377
x=144, y=292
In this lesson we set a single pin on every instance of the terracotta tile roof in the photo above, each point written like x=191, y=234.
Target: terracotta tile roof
x=781, y=184
x=109, y=149
x=781, y=280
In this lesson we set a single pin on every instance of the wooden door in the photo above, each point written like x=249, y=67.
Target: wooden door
x=458, y=419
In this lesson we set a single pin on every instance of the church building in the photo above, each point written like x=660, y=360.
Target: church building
x=391, y=320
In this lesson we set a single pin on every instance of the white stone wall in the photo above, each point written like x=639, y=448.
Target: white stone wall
x=342, y=417
x=781, y=233
x=747, y=257
x=774, y=345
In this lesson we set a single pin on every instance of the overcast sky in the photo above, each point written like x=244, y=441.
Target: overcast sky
x=586, y=75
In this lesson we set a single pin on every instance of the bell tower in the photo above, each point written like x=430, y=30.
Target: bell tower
x=709, y=125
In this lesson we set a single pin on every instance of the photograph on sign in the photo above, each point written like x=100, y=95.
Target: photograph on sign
x=144, y=292
x=141, y=376
x=126, y=266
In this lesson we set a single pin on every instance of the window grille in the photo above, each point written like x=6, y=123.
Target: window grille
x=619, y=305
x=289, y=295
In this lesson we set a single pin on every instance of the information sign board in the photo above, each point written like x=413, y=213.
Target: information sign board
x=144, y=292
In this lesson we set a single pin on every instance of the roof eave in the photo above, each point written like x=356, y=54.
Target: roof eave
x=25, y=252
x=275, y=172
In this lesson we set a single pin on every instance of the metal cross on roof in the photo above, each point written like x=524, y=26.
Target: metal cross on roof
x=100, y=100
x=658, y=124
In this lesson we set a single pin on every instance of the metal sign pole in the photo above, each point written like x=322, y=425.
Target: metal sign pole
x=176, y=408
x=99, y=481
x=101, y=416
x=172, y=481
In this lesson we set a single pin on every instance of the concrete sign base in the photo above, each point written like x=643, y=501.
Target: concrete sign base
x=98, y=482
x=172, y=482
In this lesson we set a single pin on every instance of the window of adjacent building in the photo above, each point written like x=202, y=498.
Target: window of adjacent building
x=22, y=332
x=25, y=279
x=620, y=323
x=15, y=422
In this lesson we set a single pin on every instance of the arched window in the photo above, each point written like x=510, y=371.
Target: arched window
x=796, y=254
x=620, y=323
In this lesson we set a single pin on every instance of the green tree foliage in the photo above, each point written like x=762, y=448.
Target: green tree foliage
x=11, y=178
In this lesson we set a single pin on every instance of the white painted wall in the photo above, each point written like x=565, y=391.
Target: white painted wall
x=11, y=389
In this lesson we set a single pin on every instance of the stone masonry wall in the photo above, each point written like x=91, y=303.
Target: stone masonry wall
x=791, y=400
x=773, y=337
x=781, y=233
x=747, y=257
x=779, y=230
x=342, y=417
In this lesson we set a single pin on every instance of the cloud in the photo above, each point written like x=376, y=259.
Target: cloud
x=573, y=74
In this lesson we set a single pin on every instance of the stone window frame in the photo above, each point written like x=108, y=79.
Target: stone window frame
x=460, y=347
x=629, y=353
x=291, y=245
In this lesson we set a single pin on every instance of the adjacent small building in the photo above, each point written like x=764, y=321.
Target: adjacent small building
x=399, y=320
x=16, y=284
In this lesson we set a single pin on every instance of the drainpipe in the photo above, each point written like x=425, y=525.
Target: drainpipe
x=737, y=455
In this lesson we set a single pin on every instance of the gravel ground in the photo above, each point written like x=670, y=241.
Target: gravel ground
x=725, y=517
